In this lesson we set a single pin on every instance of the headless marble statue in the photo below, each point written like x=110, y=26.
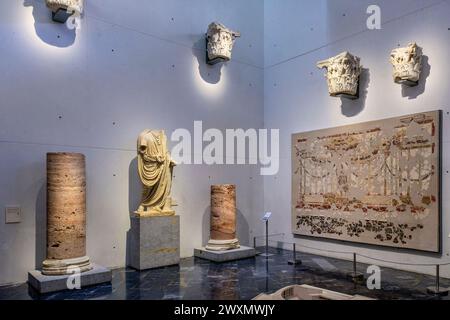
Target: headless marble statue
x=155, y=168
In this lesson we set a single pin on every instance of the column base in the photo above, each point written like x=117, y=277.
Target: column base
x=222, y=245
x=66, y=266
x=223, y=256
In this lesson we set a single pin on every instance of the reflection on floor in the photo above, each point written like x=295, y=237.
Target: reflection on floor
x=244, y=279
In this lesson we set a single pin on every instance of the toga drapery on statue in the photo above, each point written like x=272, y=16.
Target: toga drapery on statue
x=155, y=168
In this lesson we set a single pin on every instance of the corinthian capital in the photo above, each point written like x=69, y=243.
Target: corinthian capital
x=343, y=73
x=407, y=64
x=220, y=41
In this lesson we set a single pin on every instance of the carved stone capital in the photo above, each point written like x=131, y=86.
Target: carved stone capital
x=343, y=73
x=407, y=64
x=220, y=41
x=75, y=6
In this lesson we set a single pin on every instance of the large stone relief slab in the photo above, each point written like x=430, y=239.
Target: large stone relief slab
x=376, y=182
x=407, y=64
x=219, y=42
x=343, y=73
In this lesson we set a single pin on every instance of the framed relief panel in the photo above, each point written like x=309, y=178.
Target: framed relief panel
x=376, y=182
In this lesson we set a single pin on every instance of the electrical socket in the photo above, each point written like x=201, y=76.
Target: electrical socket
x=12, y=214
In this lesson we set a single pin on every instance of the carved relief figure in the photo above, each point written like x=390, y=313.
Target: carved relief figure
x=407, y=64
x=220, y=41
x=343, y=73
x=155, y=168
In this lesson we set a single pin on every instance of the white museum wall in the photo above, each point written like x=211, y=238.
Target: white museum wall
x=133, y=65
x=140, y=64
x=296, y=95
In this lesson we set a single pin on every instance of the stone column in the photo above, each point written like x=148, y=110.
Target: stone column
x=223, y=218
x=66, y=214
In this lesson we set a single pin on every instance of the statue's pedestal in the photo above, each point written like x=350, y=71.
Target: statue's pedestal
x=226, y=255
x=45, y=284
x=154, y=242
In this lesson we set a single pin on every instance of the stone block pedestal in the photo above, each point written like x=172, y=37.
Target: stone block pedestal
x=46, y=284
x=154, y=242
x=226, y=255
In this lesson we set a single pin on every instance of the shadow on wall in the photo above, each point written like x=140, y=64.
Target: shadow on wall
x=128, y=248
x=52, y=33
x=134, y=186
x=414, y=92
x=209, y=73
x=351, y=108
x=242, y=228
x=134, y=198
x=41, y=226
x=206, y=226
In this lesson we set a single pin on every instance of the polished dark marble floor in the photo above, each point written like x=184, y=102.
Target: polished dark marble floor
x=244, y=279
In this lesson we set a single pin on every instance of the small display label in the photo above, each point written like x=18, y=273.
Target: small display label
x=267, y=216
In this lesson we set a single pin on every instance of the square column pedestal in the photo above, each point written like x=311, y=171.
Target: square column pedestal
x=154, y=242
x=46, y=284
x=224, y=256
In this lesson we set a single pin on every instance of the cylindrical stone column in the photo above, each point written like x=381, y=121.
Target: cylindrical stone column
x=223, y=218
x=66, y=214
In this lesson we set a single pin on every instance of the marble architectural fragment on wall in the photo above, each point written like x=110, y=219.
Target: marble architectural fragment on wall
x=307, y=292
x=74, y=5
x=407, y=64
x=66, y=214
x=63, y=9
x=223, y=218
x=220, y=42
x=155, y=167
x=343, y=72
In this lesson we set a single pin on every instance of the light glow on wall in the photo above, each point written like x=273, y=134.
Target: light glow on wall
x=41, y=34
x=209, y=80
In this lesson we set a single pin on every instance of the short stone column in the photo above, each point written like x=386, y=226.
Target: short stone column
x=66, y=214
x=223, y=218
